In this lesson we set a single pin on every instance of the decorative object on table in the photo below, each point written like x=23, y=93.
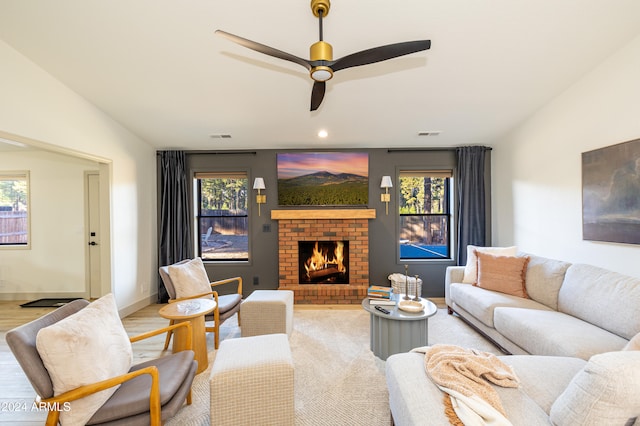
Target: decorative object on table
x=410, y=306
x=398, y=284
x=417, y=297
x=379, y=292
x=406, y=283
x=381, y=302
x=611, y=193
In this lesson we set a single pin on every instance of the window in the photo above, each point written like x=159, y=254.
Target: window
x=222, y=220
x=14, y=209
x=425, y=214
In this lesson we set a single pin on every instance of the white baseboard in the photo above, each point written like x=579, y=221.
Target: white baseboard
x=128, y=310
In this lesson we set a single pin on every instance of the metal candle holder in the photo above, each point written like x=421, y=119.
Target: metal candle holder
x=417, y=298
x=406, y=283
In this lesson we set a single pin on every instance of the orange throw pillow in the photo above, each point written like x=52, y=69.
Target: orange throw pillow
x=505, y=274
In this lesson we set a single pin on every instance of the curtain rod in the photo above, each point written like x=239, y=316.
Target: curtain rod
x=488, y=148
x=212, y=152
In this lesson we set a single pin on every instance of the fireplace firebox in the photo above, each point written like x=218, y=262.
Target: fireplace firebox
x=323, y=262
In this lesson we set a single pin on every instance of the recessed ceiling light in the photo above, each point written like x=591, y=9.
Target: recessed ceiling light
x=323, y=134
x=430, y=133
x=220, y=136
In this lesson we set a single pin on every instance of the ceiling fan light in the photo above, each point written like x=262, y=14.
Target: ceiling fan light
x=321, y=73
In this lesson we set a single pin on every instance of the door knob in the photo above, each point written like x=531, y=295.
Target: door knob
x=93, y=243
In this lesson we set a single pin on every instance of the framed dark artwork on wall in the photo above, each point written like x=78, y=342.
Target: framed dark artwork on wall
x=611, y=193
x=323, y=179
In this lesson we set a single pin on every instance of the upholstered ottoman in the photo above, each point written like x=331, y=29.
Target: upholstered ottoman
x=251, y=382
x=267, y=312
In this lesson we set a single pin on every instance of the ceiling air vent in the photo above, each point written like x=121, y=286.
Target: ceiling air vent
x=430, y=133
x=220, y=136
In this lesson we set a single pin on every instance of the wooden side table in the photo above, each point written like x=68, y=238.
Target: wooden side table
x=192, y=310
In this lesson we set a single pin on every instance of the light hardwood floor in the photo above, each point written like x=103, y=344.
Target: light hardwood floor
x=16, y=393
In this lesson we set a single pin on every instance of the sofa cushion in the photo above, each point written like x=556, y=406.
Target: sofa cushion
x=190, y=278
x=605, y=391
x=544, y=278
x=544, y=378
x=100, y=348
x=547, y=332
x=601, y=297
x=505, y=274
x=480, y=302
x=471, y=268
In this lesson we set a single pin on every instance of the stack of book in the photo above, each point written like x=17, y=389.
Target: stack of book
x=379, y=295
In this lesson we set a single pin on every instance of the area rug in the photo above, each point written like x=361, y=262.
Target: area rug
x=338, y=380
x=48, y=303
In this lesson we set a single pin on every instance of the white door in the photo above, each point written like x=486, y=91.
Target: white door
x=93, y=237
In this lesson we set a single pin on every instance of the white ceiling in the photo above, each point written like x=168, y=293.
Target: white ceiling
x=157, y=67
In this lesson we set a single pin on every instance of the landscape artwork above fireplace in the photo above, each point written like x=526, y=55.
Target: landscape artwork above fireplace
x=323, y=178
x=323, y=262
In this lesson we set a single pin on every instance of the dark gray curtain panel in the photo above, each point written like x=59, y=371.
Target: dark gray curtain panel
x=176, y=236
x=471, y=208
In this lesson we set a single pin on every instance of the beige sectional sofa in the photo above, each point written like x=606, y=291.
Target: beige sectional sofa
x=573, y=310
x=575, y=340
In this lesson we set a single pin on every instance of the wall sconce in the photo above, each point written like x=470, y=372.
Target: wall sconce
x=258, y=184
x=386, y=184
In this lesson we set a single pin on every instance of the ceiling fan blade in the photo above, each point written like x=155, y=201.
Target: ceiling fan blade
x=317, y=94
x=381, y=53
x=258, y=47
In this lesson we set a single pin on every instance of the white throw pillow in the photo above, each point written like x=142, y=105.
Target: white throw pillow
x=190, y=278
x=84, y=348
x=471, y=268
x=604, y=392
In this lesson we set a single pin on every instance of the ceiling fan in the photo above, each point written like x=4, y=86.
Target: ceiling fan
x=321, y=66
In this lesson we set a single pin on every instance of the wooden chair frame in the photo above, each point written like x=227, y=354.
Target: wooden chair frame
x=155, y=412
x=216, y=313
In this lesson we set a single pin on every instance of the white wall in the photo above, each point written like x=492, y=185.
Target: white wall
x=37, y=106
x=537, y=194
x=55, y=263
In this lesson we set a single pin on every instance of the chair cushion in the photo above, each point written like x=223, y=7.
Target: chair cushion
x=100, y=347
x=471, y=268
x=190, y=278
x=228, y=301
x=604, y=392
x=133, y=396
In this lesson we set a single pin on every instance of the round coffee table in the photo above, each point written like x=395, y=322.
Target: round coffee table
x=398, y=331
x=192, y=310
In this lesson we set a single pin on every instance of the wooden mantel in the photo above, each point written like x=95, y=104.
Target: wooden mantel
x=324, y=214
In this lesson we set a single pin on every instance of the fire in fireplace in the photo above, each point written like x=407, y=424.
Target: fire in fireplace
x=323, y=262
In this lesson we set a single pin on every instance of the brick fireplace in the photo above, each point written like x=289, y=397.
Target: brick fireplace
x=350, y=225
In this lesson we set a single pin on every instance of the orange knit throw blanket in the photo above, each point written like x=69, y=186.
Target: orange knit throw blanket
x=469, y=373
